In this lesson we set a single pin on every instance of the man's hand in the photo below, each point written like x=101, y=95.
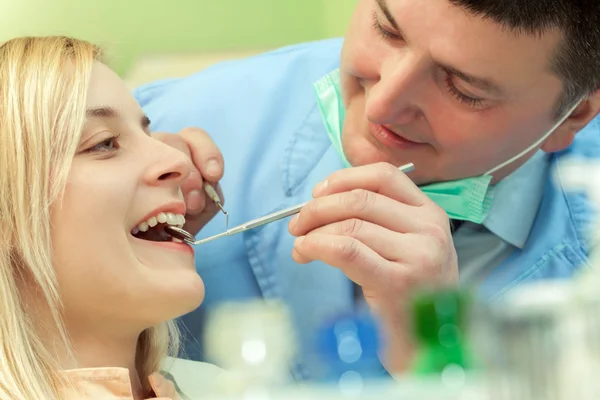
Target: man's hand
x=208, y=163
x=387, y=236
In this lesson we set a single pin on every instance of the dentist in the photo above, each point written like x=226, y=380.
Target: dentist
x=485, y=98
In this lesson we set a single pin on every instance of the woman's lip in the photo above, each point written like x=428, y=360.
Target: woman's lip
x=389, y=138
x=183, y=247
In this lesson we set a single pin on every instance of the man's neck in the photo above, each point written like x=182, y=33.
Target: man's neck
x=512, y=167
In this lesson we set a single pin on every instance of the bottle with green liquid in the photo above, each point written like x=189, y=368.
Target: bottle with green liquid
x=440, y=322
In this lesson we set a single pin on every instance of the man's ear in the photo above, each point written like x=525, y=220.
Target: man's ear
x=579, y=118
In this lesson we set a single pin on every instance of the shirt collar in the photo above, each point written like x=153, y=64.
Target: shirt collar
x=517, y=200
x=114, y=383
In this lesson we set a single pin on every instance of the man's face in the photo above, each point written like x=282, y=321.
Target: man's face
x=426, y=82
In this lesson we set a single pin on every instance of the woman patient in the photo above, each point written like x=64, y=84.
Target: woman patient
x=86, y=296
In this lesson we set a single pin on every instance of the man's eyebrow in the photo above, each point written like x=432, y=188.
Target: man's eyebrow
x=388, y=15
x=111, y=112
x=484, y=84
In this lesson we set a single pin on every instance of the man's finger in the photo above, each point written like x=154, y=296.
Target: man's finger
x=360, y=204
x=380, y=178
x=191, y=188
x=174, y=141
x=359, y=263
x=205, y=154
x=299, y=258
x=383, y=241
x=197, y=145
x=193, y=193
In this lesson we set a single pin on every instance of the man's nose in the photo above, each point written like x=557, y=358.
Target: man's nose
x=393, y=98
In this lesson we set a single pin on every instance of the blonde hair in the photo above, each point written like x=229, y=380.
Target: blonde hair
x=43, y=90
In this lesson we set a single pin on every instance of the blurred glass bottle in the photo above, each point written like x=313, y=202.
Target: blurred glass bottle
x=254, y=342
x=346, y=353
x=531, y=344
x=440, y=324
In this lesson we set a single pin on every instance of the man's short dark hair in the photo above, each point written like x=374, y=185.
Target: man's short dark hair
x=577, y=61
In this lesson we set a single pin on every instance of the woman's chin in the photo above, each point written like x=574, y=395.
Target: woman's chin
x=191, y=296
x=180, y=298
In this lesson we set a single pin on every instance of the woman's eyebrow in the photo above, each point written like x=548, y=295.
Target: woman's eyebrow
x=111, y=112
x=102, y=112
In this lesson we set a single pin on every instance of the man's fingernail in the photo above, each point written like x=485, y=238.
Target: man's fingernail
x=294, y=221
x=194, y=200
x=299, y=241
x=213, y=167
x=320, y=188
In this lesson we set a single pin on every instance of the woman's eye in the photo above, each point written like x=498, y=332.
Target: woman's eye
x=107, y=145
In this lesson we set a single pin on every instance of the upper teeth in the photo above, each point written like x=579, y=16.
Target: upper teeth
x=177, y=220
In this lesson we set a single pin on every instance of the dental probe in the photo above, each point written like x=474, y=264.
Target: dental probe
x=187, y=237
x=212, y=194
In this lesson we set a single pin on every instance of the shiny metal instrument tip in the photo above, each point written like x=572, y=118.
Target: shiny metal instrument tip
x=214, y=196
x=179, y=233
x=187, y=237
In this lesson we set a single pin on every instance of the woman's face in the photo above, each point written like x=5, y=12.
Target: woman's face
x=110, y=276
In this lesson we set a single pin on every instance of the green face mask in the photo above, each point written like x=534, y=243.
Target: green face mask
x=467, y=199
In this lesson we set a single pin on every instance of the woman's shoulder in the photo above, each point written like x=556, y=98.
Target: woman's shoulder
x=192, y=379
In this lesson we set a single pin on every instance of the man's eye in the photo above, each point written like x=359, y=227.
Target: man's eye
x=473, y=102
x=384, y=32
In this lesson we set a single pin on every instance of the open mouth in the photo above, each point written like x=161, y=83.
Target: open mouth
x=153, y=229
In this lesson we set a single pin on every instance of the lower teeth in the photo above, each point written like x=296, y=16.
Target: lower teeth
x=177, y=240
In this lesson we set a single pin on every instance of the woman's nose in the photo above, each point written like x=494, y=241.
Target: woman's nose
x=170, y=166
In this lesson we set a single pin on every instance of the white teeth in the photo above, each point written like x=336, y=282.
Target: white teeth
x=172, y=219
x=143, y=226
x=177, y=220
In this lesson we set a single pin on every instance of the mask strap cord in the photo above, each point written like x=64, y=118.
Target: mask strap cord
x=537, y=143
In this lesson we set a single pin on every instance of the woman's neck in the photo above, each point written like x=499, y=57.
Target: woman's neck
x=92, y=348
x=96, y=351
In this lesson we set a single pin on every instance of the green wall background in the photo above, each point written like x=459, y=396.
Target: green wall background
x=130, y=28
